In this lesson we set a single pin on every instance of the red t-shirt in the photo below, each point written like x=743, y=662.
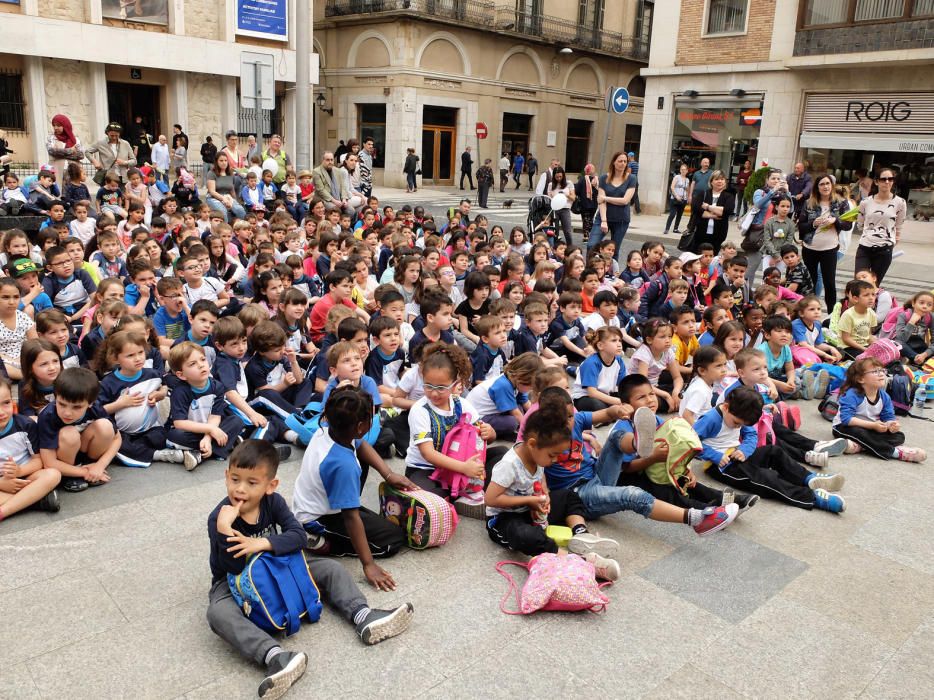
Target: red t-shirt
x=319, y=314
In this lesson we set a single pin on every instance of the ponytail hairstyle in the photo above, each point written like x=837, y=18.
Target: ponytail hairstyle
x=111, y=307
x=596, y=336
x=452, y=358
x=548, y=377
x=548, y=427
x=652, y=326
x=150, y=332
x=523, y=368
x=705, y=356
x=30, y=394
x=910, y=304
x=347, y=407
x=726, y=330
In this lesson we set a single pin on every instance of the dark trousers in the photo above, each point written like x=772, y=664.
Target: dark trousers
x=505, y=425
x=467, y=174
x=794, y=444
x=230, y=424
x=588, y=403
x=410, y=181
x=876, y=259
x=421, y=477
x=384, y=537
x=503, y=179
x=399, y=425
x=826, y=260
x=517, y=178
x=515, y=530
x=292, y=400
x=771, y=473
x=882, y=445
x=587, y=221
x=675, y=211
x=699, y=496
x=137, y=449
x=531, y=185
x=335, y=584
x=483, y=193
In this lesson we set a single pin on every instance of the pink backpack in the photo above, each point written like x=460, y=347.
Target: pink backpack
x=556, y=583
x=462, y=442
x=884, y=350
x=891, y=320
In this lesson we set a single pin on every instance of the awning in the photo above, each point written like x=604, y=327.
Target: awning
x=906, y=143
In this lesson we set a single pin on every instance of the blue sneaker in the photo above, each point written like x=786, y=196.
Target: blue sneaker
x=831, y=502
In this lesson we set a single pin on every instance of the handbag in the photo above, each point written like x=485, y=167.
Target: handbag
x=557, y=583
x=686, y=242
x=748, y=219
x=576, y=206
x=99, y=177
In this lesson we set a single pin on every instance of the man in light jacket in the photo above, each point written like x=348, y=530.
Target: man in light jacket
x=328, y=184
x=112, y=152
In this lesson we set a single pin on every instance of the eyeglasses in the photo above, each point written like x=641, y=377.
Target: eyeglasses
x=885, y=179
x=439, y=387
x=876, y=371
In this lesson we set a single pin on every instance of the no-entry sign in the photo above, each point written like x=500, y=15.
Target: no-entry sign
x=481, y=130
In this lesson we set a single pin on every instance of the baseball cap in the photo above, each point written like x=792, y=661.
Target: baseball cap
x=22, y=266
x=688, y=257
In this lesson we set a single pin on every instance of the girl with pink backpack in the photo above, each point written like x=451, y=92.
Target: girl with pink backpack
x=914, y=328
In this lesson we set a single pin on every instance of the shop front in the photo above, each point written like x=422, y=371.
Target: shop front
x=850, y=134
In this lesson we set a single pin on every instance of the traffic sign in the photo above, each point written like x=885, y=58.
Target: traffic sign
x=620, y=101
x=481, y=130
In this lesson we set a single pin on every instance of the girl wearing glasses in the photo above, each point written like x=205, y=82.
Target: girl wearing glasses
x=867, y=416
x=880, y=219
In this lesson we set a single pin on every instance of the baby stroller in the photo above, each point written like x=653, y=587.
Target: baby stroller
x=539, y=210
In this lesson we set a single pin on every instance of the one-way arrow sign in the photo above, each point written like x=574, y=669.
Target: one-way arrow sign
x=620, y=101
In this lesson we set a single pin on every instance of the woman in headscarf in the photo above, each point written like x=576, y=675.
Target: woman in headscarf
x=586, y=190
x=63, y=146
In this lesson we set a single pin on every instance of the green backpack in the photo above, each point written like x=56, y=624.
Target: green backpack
x=683, y=446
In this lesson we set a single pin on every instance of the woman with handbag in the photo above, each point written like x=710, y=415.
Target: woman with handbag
x=63, y=147
x=586, y=202
x=820, y=234
x=711, y=213
x=410, y=168
x=561, y=193
x=678, y=189
x=753, y=225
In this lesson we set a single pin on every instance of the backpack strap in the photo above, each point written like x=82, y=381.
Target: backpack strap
x=290, y=590
x=298, y=566
x=512, y=586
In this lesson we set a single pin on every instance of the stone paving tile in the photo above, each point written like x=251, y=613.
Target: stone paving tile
x=690, y=683
x=903, y=532
x=908, y=674
x=883, y=598
x=16, y=683
x=54, y=613
x=724, y=574
x=787, y=650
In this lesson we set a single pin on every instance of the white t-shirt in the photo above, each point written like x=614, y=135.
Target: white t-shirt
x=656, y=367
x=697, y=398
x=595, y=321
x=208, y=290
x=420, y=428
x=412, y=383
x=512, y=475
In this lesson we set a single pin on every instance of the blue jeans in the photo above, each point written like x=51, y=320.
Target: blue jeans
x=601, y=495
x=617, y=232
x=236, y=209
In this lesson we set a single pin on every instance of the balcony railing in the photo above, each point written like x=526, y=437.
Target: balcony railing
x=473, y=12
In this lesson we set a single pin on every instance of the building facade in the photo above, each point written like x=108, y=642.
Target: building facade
x=842, y=84
x=168, y=61
x=424, y=73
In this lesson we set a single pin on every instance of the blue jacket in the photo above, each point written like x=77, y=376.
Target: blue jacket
x=710, y=425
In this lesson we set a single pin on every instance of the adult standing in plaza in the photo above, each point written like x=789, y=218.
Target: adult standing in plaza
x=208, y=156
x=179, y=137
x=518, y=163
x=742, y=179
x=615, y=192
x=700, y=180
x=820, y=228
x=160, y=158
x=141, y=141
x=410, y=169
x=712, y=211
x=235, y=159
x=275, y=152
x=678, y=198
x=531, y=167
x=111, y=153
x=485, y=181
x=222, y=195
x=561, y=193
x=880, y=219
x=253, y=149
x=800, y=186
x=466, y=167
x=63, y=147
x=503, y=172
x=586, y=190
x=365, y=166
x=634, y=168
x=546, y=177
x=774, y=190
x=328, y=184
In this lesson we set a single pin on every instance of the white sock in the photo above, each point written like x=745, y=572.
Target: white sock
x=167, y=455
x=272, y=653
x=290, y=436
x=360, y=615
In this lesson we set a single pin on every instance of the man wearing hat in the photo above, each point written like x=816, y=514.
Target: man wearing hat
x=111, y=153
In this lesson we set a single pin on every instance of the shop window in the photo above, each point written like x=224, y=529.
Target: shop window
x=633, y=139
x=726, y=16
x=578, y=145
x=12, y=106
x=818, y=12
x=879, y=9
x=372, y=118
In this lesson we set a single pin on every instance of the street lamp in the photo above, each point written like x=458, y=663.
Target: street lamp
x=320, y=100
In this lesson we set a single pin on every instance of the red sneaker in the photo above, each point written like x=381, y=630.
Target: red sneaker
x=717, y=519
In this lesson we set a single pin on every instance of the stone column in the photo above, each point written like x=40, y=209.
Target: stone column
x=177, y=108
x=403, y=129
x=38, y=121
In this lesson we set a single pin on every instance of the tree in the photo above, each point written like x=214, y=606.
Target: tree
x=756, y=182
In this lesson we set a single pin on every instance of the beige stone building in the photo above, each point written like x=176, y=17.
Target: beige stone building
x=842, y=84
x=170, y=61
x=424, y=73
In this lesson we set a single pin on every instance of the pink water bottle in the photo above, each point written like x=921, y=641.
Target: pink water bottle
x=539, y=518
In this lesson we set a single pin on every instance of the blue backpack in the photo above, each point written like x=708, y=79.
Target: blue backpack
x=276, y=592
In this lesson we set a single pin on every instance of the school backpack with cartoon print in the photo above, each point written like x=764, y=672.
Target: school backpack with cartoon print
x=428, y=519
x=276, y=592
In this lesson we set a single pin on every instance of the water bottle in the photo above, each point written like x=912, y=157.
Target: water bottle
x=539, y=518
x=921, y=396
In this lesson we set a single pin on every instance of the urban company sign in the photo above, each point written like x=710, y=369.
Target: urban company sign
x=872, y=113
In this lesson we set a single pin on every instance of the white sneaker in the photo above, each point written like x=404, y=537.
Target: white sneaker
x=833, y=448
x=644, y=425
x=170, y=456
x=587, y=542
x=192, y=459
x=471, y=505
x=607, y=569
x=817, y=459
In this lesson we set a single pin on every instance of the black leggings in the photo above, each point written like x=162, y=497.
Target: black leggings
x=675, y=210
x=422, y=477
x=882, y=445
x=515, y=530
x=827, y=261
x=876, y=259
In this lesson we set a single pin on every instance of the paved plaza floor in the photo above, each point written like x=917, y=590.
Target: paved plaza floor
x=107, y=600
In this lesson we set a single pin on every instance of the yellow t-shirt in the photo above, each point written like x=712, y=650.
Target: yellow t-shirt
x=684, y=352
x=858, y=325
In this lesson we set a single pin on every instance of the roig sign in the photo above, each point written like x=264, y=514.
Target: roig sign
x=858, y=110
x=895, y=113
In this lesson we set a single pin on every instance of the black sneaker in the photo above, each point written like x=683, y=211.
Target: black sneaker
x=284, y=669
x=49, y=503
x=383, y=624
x=74, y=484
x=284, y=452
x=745, y=502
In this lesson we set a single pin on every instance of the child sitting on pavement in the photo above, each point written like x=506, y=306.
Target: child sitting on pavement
x=253, y=518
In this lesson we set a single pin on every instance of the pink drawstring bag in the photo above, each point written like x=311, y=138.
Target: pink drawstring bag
x=884, y=350
x=556, y=583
